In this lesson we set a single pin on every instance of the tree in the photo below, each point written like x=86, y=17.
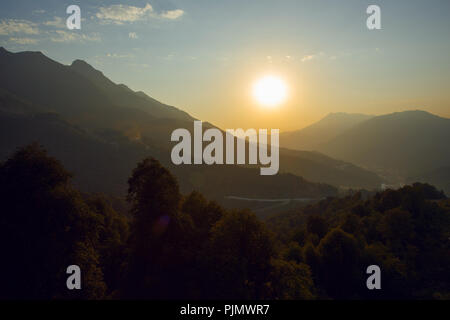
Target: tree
x=45, y=226
x=312, y=259
x=291, y=281
x=113, y=236
x=241, y=249
x=317, y=225
x=406, y=232
x=204, y=214
x=398, y=229
x=159, y=242
x=341, y=272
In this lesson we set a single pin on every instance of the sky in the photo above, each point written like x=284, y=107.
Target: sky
x=203, y=56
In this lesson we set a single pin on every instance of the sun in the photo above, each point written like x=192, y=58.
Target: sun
x=270, y=91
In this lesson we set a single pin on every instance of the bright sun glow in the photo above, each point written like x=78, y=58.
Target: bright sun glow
x=270, y=91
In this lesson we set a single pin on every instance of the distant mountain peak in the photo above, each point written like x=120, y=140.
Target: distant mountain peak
x=125, y=87
x=85, y=68
x=339, y=115
x=33, y=53
x=22, y=53
x=414, y=112
x=415, y=140
x=81, y=63
x=312, y=136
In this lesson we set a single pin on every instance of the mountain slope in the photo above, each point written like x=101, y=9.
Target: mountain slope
x=85, y=98
x=311, y=137
x=318, y=167
x=407, y=143
x=125, y=97
x=102, y=160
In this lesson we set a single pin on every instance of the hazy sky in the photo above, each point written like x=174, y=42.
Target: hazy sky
x=204, y=55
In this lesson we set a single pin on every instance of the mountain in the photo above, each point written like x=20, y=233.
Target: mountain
x=47, y=101
x=13, y=104
x=402, y=143
x=85, y=98
x=103, y=161
x=439, y=177
x=312, y=136
x=318, y=167
x=125, y=97
x=32, y=75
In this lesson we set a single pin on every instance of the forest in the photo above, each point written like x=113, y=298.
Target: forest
x=158, y=243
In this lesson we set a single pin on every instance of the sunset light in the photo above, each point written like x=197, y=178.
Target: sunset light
x=270, y=91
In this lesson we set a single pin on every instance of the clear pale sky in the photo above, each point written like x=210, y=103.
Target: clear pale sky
x=204, y=55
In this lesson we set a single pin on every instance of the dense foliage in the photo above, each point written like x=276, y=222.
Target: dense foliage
x=169, y=246
x=405, y=232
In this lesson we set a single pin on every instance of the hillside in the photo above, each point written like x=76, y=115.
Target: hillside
x=125, y=97
x=117, y=116
x=406, y=143
x=102, y=160
x=320, y=132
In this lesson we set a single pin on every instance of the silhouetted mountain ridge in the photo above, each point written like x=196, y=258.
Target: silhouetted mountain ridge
x=314, y=135
x=125, y=97
x=409, y=143
x=123, y=120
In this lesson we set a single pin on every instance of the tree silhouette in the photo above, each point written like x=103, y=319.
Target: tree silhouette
x=241, y=249
x=45, y=227
x=159, y=234
x=341, y=271
x=175, y=247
